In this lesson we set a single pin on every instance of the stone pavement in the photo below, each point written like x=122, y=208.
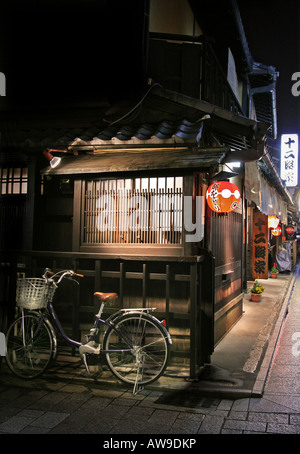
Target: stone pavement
x=64, y=401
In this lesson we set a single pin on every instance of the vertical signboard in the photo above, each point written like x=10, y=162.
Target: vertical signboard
x=260, y=246
x=289, y=159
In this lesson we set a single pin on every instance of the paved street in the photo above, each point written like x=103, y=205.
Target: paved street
x=60, y=406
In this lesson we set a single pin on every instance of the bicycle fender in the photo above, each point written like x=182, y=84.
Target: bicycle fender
x=119, y=315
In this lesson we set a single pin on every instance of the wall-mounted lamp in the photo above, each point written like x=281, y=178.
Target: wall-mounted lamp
x=53, y=160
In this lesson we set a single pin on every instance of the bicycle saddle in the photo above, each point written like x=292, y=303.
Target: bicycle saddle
x=106, y=297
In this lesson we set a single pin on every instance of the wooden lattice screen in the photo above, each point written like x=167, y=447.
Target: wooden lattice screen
x=132, y=216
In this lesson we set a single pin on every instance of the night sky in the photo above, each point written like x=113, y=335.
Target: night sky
x=61, y=50
x=272, y=32
x=53, y=51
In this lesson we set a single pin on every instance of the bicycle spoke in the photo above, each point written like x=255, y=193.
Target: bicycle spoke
x=148, y=357
x=29, y=346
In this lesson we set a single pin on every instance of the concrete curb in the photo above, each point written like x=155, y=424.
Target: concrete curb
x=262, y=376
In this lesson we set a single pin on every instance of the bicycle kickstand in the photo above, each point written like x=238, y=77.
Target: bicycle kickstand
x=136, y=387
x=83, y=356
x=90, y=348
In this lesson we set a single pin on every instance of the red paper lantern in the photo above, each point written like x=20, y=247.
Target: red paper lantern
x=223, y=197
x=273, y=222
x=289, y=230
x=276, y=232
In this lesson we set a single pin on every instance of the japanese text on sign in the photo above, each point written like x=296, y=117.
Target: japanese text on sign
x=260, y=246
x=289, y=159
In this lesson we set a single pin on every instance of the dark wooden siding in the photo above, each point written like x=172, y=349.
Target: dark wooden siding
x=12, y=215
x=226, y=246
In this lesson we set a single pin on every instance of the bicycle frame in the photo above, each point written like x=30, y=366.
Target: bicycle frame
x=108, y=323
x=98, y=320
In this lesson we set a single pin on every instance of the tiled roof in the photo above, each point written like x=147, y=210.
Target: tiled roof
x=164, y=118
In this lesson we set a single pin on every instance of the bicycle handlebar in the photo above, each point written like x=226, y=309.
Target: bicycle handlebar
x=64, y=273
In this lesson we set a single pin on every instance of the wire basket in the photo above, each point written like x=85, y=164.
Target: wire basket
x=33, y=293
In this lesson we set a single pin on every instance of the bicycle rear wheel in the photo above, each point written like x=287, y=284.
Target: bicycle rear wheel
x=29, y=348
x=141, y=349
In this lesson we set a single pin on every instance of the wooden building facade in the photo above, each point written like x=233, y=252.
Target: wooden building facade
x=130, y=213
x=126, y=205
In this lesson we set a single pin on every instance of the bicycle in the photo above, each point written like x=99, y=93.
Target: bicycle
x=136, y=345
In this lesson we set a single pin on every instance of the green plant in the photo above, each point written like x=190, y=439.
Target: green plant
x=259, y=289
x=274, y=268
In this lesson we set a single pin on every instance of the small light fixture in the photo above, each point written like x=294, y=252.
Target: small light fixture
x=54, y=161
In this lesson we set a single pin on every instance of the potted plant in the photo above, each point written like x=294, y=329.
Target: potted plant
x=274, y=271
x=256, y=291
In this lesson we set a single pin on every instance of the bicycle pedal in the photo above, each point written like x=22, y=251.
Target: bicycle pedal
x=90, y=348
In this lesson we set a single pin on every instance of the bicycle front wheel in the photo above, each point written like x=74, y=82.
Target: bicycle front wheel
x=29, y=347
x=139, y=349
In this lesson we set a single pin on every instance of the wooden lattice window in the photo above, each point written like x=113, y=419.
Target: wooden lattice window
x=133, y=211
x=13, y=180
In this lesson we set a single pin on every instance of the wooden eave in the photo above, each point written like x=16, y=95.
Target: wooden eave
x=132, y=160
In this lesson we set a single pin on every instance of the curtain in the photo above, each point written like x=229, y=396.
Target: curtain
x=265, y=196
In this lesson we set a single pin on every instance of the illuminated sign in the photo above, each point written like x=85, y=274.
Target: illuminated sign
x=259, y=245
x=289, y=159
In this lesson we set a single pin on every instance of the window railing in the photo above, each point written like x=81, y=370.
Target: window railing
x=215, y=86
x=190, y=66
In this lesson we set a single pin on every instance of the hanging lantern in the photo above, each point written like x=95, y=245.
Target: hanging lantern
x=290, y=230
x=273, y=222
x=223, y=197
x=276, y=232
